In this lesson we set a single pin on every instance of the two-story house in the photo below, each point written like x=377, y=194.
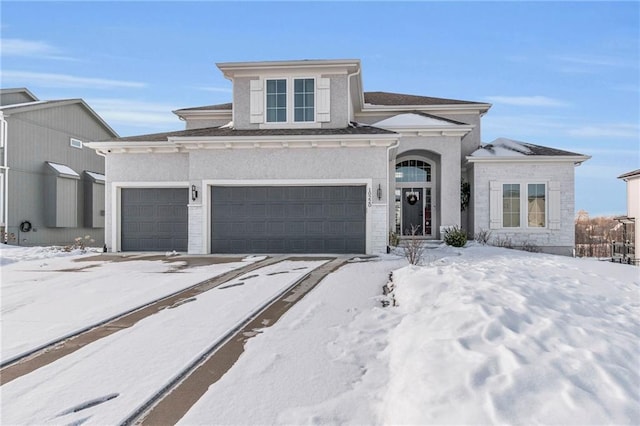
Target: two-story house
x=304, y=161
x=51, y=185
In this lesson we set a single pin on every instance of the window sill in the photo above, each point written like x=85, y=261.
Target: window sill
x=301, y=125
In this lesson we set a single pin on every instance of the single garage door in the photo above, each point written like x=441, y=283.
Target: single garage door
x=288, y=219
x=154, y=219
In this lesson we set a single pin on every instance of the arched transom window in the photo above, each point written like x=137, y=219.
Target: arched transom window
x=413, y=171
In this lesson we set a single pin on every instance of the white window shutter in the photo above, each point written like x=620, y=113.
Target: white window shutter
x=323, y=103
x=257, y=101
x=495, y=204
x=555, y=211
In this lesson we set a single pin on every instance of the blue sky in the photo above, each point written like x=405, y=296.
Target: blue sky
x=564, y=74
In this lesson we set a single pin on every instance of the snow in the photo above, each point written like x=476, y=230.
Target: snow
x=410, y=120
x=502, y=147
x=61, y=168
x=96, y=176
x=47, y=296
x=112, y=377
x=481, y=335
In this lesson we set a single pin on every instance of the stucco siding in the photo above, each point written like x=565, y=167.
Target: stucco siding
x=560, y=241
x=241, y=103
x=201, y=124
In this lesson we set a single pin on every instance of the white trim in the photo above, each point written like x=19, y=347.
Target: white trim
x=75, y=143
x=576, y=159
x=432, y=185
x=184, y=144
x=116, y=207
x=290, y=121
x=524, y=207
x=208, y=183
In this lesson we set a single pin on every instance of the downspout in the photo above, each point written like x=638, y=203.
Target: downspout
x=394, y=146
x=5, y=171
x=349, y=111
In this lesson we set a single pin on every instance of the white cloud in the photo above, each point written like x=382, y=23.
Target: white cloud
x=28, y=79
x=31, y=48
x=541, y=101
x=140, y=114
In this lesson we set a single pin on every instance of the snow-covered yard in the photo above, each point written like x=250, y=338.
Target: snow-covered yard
x=46, y=295
x=480, y=335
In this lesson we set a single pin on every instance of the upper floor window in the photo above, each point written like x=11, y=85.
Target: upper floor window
x=290, y=101
x=76, y=143
x=277, y=101
x=303, y=99
x=413, y=171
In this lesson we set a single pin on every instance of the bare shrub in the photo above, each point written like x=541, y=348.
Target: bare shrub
x=414, y=247
x=483, y=236
x=530, y=247
x=504, y=242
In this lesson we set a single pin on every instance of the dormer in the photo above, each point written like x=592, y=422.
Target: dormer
x=293, y=94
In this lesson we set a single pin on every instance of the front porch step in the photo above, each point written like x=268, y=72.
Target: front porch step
x=428, y=244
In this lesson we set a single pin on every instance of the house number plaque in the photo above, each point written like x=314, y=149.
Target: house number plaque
x=369, y=197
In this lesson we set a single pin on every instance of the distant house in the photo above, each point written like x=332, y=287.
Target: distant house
x=51, y=185
x=304, y=161
x=625, y=251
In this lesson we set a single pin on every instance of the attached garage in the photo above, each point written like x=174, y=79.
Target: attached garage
x=288, y=219
x=154, y=219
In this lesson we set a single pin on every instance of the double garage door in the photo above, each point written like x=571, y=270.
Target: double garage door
x=288, y=219
x=252, y=219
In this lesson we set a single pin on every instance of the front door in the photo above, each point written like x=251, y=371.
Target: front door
x=412, y=214
x=416, y=212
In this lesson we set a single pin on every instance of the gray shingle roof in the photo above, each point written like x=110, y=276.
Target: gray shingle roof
x=230, y=132
x=396, y=99
x=629, y=174
x=216, y=107
x=374, y=98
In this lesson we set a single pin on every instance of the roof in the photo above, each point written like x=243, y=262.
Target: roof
x=417, y=118
x=18, y=90
x=396, y=99
x=508, y=148
x=30, y=106
x=217, y=107
x=225, y=131
x=630, y=174
x=372, y=98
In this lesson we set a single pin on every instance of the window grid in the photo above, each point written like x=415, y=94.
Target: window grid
x=511, y=205
x=277, y=100
x=536, y=205
x=303, y=101
x=413, y=171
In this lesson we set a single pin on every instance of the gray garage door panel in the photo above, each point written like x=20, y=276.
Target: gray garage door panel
x=288, y=219
x=154, y=219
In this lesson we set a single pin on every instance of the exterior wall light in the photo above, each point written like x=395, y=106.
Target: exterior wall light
x=194, y=193
x=379, y=192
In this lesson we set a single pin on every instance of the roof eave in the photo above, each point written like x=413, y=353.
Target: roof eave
x=575, y=159
x=370, y=108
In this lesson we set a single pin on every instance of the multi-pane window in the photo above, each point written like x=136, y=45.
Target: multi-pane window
x=277, y=101
x=303, y=99
x=511, y=205
x=413, y=171
x=536, y=205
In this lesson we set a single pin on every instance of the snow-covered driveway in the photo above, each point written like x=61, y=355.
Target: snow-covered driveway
x=43, y=300
x=108, y=380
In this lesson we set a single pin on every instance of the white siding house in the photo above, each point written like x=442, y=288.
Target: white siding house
x=304, y=161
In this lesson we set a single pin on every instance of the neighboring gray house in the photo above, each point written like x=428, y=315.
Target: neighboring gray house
x=625, y=251
x=51, y=186
x=304, y=161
